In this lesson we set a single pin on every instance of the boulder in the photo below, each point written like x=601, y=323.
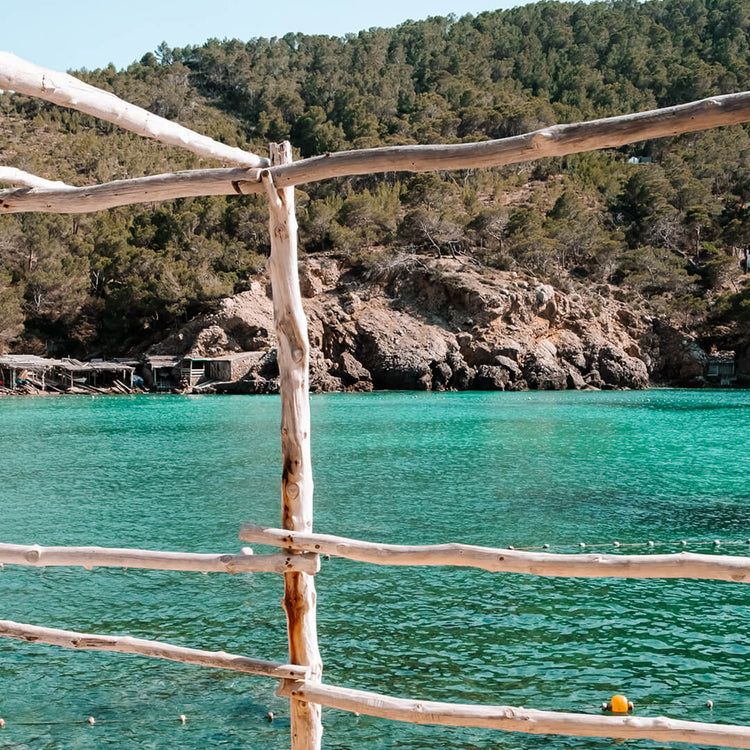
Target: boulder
x=490, y=378
x=620, y=370
x=398, y=350
x=542, y=370
x=321, y=379
x=575, y=379
x=441, y=375
x=463, y=378
x=351, y=371
x=509, y=365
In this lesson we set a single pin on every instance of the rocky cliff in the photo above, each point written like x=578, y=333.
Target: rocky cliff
x=420, y=323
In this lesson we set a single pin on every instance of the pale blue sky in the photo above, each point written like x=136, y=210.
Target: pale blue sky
x=92, y=33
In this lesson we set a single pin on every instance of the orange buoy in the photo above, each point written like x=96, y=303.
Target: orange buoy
x=619, y=704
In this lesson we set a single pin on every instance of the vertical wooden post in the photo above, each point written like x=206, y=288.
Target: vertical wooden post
x=296, y=482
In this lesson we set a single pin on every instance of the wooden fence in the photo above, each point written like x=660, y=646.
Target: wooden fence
x=301, y=678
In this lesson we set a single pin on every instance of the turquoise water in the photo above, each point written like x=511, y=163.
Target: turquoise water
x=182, y=473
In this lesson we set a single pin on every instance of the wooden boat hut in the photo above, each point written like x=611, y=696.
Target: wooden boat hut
x=721, y=367
x=17, y=370
x=72, y=373
x=161, y=372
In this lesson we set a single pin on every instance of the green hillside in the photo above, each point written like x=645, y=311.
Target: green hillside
x=668, y=233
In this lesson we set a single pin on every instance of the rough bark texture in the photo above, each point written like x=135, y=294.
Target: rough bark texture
x=679, y=565
x=66, y=199
x=296, y=482
x=128, y=645
x=108, y=557
x=511, y=719
x=60, y=88
x=556, y=140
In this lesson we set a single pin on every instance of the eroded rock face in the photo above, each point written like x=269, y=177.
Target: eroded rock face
x=443, y=325
x=543, y=370
x=241, y=323
x=620, y=370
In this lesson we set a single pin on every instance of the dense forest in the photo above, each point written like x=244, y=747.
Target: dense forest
x=662, y=224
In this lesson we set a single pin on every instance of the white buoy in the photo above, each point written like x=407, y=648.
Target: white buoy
x=617, y=544
x=270, y=716
x=717, y=543
x=683, y=543
x=581, y=545
x=2, y=723
x=650, y=543
x=545, y=546
x=709, y=704
x=183, y=718
x=91, y=720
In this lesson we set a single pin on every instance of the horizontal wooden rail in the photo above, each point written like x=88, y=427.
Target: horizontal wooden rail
x=156, y=649
x=679, y=565
x=60, y=88
x=78, y=200
x=512, y=719
x=555, y=140
x=104, y=557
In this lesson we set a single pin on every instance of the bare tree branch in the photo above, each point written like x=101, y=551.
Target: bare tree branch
x=113, y=557
x=126, y=645
x=512, y=719
x=186, y=184
x=680, y=565
x=556, y=140
x=60, y=88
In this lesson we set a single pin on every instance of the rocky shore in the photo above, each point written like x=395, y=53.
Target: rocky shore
x=411, y=322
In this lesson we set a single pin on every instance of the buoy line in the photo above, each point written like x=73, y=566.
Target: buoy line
x=649, y=544
x=92, y=721
x=619, y=702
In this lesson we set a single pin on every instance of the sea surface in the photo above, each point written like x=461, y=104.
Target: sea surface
x=523, y=469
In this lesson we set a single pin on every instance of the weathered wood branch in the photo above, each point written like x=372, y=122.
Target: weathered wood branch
x=296, y=480
x=60, y=88
x=143, y=647
x=184, y=184
x=679, y=565
x=110, y=557
x=15, y=176
x=510, y=719
x=555, y=140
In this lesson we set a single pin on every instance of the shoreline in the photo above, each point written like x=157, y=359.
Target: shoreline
x=7, y=393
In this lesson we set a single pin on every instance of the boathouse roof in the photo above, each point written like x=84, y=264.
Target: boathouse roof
x=721, y=356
